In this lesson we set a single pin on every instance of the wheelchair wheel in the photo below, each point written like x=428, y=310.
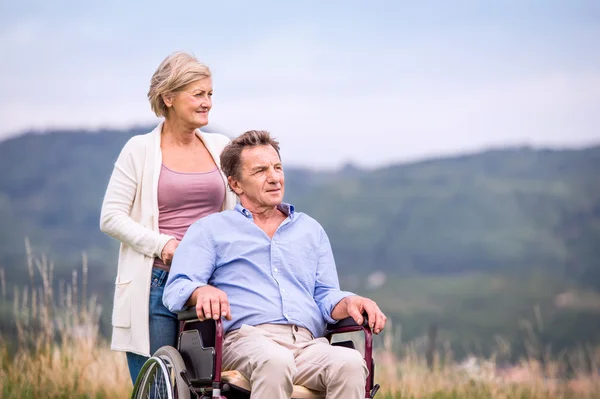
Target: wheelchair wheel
x=175, y=365
x=160, y=377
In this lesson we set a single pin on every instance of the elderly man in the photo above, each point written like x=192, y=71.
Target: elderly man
x=269, y=271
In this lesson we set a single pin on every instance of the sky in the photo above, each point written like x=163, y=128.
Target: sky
x=336, y=82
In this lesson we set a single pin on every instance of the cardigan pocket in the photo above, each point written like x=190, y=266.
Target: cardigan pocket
x=121, y=316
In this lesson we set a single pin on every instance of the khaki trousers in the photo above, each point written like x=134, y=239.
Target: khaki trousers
x=275, y=357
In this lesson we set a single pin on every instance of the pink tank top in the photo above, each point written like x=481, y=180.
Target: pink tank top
x=183, y=198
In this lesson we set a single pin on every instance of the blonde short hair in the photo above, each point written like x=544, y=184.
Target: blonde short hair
x=174, y=73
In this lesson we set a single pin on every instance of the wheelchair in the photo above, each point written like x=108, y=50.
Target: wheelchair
x=193, y=369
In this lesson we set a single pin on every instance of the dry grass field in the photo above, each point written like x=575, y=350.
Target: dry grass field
x=60, y=354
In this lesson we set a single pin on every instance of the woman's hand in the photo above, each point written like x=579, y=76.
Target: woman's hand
x=168, y=251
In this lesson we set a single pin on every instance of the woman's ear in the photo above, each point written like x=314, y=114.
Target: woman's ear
x=168, y=99
x=235, y=185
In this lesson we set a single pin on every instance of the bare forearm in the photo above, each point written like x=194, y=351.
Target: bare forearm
x=193, y=299
x=340, y=311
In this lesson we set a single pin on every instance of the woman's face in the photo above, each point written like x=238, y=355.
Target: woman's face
x=191, y=105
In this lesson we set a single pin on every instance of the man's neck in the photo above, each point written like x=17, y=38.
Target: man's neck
x=267, y=218
x=263, y=214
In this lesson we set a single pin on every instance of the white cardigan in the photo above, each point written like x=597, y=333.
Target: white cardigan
x=130, y=214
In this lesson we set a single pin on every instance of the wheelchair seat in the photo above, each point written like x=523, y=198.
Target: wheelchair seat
x=237, y=379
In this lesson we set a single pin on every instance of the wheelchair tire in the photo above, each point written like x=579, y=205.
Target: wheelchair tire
x=153, y=381
x=160, y=377
x=175, y=365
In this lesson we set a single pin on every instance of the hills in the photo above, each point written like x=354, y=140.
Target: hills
x=498, y=210
x=520, y=218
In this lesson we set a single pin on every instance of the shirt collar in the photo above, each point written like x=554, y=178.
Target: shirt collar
x=284, y=207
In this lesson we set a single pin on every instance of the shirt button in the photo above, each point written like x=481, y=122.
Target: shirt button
x=283, y=290
x=276, y=270
x=285, y=315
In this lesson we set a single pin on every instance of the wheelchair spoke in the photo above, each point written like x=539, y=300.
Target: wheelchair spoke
x=156, y=382
x=160, y=377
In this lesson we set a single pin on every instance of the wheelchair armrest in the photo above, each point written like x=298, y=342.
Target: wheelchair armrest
x=347, y=322
x=188, y=314
x=349, y=325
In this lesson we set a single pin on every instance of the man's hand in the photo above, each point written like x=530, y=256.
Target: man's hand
x=210, y=302
x=354, y=306
x=168, y=251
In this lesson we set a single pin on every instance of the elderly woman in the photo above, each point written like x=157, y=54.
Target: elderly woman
x=162, y=182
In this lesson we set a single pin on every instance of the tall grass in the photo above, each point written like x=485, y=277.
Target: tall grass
x=571, y=375
x=59, y=353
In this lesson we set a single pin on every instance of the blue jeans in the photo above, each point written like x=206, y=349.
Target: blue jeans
x=163, y=323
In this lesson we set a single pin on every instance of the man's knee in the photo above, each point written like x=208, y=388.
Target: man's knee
x=273, y=374
x=350, y=366
x=277, y=363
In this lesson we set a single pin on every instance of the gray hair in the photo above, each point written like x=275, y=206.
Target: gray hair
x=230, y=156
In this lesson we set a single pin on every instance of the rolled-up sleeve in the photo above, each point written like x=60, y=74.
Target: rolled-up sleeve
x=327, y=287
x=193, y=264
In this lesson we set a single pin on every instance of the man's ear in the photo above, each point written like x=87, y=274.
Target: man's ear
x=235, y=185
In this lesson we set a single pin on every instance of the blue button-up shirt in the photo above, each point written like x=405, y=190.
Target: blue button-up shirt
x=289, y=279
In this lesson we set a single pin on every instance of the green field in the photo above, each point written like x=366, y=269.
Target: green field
x=482, y=313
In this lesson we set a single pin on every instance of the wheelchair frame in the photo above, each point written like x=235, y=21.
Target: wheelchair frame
x=200, y=350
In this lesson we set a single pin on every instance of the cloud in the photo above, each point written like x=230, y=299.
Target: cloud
x=358, y=87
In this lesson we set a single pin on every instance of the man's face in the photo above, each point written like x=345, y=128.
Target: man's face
x=261, y=184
